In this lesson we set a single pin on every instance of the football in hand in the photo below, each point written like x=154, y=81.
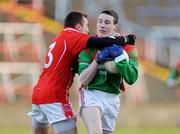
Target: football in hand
x=110, y=65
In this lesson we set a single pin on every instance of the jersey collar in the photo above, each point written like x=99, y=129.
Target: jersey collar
x=70, y=29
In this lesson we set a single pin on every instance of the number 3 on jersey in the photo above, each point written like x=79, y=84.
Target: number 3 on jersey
x=50, y=55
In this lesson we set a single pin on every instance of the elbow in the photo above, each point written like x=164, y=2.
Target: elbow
x=130, y=83
x=132, y=80
x=83, y=81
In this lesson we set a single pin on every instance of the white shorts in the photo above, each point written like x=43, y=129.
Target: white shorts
x=51, y=113
x=109, y=105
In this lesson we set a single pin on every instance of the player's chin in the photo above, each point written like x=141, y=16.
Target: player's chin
x=102, y=34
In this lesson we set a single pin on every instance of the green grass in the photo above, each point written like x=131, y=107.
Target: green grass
x=147, y=130
x=127, y=130
x=134, y=119
x=140, y=130
x=143, y=129
x=15, y=130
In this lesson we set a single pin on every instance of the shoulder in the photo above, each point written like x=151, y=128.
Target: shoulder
x=74, y=35
x=131, y=51
x=129, y=47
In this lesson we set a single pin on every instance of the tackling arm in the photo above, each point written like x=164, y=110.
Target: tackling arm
x=108, y=41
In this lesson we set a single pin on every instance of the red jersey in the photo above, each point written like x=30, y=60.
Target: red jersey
x=57, y=77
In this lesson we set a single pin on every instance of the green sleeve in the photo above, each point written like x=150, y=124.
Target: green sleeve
x=172, y=74
x=129, y=69
x=85, y=58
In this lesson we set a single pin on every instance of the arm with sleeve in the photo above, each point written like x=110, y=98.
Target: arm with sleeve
x=87, y=66
x=109, y=41
x=128, y=69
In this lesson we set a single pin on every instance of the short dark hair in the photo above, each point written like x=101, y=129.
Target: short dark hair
x=74, y=18
x=113, y=14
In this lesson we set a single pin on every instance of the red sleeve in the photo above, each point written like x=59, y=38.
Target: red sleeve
x=77, y=42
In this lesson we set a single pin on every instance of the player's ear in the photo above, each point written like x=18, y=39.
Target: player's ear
x=78, y=27
x=116, y=27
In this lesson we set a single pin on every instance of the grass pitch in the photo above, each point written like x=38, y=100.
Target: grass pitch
x=149, y=118
x=81, y=130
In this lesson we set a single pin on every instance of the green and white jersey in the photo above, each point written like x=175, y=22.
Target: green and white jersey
x=106, y=81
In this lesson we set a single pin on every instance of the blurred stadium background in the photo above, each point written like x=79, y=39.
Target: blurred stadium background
x=28, y=26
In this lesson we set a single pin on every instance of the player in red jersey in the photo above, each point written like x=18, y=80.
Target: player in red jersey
x=50, y=99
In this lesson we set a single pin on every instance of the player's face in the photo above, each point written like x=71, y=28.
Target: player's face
x=105, y=25
x=84, y=28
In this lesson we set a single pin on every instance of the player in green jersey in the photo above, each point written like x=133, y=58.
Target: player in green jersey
x=173, y=80
x=99, y=95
